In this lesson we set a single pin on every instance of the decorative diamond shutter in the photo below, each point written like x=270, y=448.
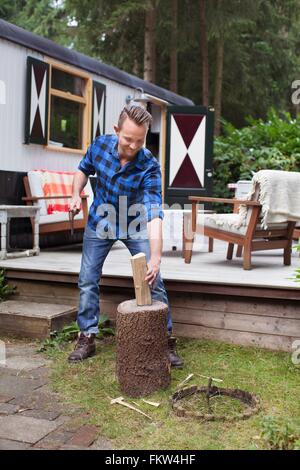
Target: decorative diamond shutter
x=98, y=109
x=37, y=87
x=189, y=153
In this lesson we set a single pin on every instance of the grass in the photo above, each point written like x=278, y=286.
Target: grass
x=270, y=375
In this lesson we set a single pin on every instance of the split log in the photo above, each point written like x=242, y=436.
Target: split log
x=141, y=287
x=142, y=348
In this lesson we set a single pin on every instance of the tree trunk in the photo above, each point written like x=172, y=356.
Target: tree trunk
x=142, y=348
x=204, y=54
x=174, y=49
x=150, y=49
x=218, y=85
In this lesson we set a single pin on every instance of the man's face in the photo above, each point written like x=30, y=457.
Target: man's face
x=131, y=138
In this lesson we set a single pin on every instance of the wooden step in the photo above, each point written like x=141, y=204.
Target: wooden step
x=33, y=319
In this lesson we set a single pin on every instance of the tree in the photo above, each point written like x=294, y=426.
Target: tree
x=150, y=41
x=226, y=17
x=44, y=17
x=204, y=53
x=174, y=48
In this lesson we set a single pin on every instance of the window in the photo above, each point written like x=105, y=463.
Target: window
x=69, y=123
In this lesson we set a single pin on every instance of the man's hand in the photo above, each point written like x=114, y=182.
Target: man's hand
x=75, y=204
x=153, y=269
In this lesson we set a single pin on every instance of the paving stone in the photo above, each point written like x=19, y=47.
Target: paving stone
x=6, y=398
x=6, y=444
x=84, y=437
x=39, y=373
x=21, y=428
x=23, y=363
x=54, y=440
x=71, y=447
x=75, y=423
x=7, y=409
x=19, y=385
x=15, y=348
x=38, y=401
x=62, y=420
x=40, y=414
x=101, y=444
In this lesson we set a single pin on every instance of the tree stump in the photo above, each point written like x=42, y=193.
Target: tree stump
x=142, y=348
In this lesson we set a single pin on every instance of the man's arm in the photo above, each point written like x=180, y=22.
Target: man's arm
x=154, y=228
x=79, y=182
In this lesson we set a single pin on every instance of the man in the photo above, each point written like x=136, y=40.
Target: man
x=128, y=183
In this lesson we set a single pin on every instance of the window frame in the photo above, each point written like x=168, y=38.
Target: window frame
x=86, y=100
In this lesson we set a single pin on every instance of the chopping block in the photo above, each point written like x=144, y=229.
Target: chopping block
x=142, y=365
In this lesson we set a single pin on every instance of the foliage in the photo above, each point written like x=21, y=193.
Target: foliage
x=5, y=289
x=296, y=277
x=280, y=433
x=271, y=144
x=47, y=18
x=261, y=43
x=58, y=338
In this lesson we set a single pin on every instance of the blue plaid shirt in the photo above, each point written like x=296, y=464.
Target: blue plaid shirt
x=137, y=182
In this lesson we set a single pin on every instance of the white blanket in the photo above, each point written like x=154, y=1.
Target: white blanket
x=279, y=195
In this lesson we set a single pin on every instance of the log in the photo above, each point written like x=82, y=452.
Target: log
x=142, y=290
x=142, y=348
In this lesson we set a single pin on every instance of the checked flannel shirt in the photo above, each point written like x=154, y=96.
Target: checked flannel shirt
x=137, y=182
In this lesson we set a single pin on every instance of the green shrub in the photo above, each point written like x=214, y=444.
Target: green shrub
x=296, y=277
x=273, y=144
x=280, y=434
x=5, y=289
x=69, y=333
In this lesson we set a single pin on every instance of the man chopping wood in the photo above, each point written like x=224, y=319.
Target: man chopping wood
x=126, y=207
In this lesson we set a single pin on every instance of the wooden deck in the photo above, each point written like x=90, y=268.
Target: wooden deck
x=210, y=298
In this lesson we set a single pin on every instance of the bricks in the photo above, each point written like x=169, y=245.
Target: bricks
x=40, y=414
x=84, y=437
x=21, y=428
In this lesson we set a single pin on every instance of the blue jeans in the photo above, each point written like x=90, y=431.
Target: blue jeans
x=94, y=253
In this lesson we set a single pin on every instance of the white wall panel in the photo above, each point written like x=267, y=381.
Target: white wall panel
x=14, y=154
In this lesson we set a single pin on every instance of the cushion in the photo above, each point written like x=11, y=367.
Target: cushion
x=35, y=179
x=57, y=183
x=35, y=183
x=228, y=222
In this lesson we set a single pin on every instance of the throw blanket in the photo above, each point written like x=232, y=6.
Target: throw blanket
x=56, y=183
x=279, y=195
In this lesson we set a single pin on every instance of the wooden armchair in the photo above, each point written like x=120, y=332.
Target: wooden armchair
x=250, y=237
x=58, y=222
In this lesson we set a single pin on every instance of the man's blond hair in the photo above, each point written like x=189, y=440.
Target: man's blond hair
x=137, y=114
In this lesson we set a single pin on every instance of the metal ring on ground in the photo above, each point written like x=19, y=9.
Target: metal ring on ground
x=250, y=400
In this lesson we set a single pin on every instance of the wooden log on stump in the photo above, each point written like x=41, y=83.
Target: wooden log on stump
x=142, y=340
x=139, y=269
x=142, y=348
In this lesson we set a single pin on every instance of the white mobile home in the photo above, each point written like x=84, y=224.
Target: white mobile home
x=54, y=101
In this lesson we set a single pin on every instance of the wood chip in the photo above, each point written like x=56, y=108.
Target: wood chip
x=185, y=380
x=120, y=401
x=205, y=377
x=152, y=403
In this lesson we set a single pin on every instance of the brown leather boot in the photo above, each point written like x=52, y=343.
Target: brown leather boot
x=85, y=347
x=174, y=358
